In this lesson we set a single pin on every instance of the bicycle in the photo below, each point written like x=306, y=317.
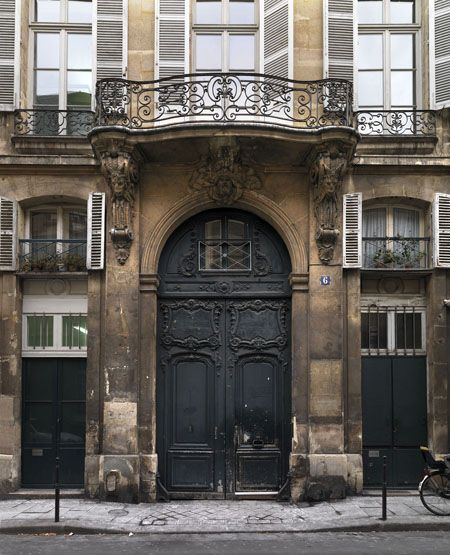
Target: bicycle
x=434, y=489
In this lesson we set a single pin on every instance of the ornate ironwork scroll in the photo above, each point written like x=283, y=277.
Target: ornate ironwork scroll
x=397, y=122
x=122, y=173
x=51, y=123
x=327, y=170
x=223, y=174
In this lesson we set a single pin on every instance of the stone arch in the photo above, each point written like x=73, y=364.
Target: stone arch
x=251, y=202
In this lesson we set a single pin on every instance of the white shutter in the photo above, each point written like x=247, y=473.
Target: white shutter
x=9, y=14
x=352, y=236
x=8, y=234
x=440, y=53
x=441, y=230
x=96, y=232
x=111, y=32
x=277, y=37
x=172, y=38
x=339, y=38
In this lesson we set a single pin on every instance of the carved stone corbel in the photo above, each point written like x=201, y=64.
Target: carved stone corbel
x=121, y=170
x=328, y=166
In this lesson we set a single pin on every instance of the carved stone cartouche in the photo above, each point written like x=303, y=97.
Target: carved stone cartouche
x=122, y=174
x=223, y=174
x=327, y=171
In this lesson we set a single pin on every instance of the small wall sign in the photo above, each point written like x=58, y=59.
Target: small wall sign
x=325, y=280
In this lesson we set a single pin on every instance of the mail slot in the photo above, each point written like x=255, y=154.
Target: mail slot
x=374, y=454
x=37, y=452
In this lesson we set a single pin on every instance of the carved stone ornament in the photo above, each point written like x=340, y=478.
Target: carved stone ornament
x=223, y=174
x=327, y=171
x=122, y=173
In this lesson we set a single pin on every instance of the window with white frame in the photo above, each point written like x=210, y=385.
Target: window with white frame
x=387, y=54
x=393, y=330
x=225, y=36
x=62, y=54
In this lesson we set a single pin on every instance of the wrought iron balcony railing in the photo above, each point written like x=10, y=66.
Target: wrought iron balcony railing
x=396, y=122
x=53, y=122
x=52, y=255
x=410, y=253
x=223, y=98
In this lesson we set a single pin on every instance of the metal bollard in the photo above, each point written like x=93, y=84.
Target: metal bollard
x=57, y=491
x=384, y=492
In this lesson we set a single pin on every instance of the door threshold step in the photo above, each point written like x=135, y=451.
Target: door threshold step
x=45, y=494
x=376, y=492
x=256, y=494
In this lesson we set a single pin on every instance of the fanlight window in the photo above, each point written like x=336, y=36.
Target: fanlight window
x=226, y=246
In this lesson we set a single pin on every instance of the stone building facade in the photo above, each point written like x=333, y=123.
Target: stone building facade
x=231, y=277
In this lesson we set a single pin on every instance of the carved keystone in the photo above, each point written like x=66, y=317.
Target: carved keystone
x=327, y=168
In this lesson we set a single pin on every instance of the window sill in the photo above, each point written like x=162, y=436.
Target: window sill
x=53, y=275
x=59, y=144
x=396, y=144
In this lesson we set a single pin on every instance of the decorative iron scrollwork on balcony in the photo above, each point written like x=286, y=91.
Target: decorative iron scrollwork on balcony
x=52, y=255
x=396, y=122
x=53, y=122
x=396, y=253
x=224, y=98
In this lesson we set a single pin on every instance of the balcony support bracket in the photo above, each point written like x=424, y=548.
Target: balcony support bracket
x=328, y=165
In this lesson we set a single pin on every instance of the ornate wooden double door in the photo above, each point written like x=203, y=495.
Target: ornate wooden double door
x=223, y=383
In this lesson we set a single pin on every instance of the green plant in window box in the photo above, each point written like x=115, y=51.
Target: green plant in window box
x=73, y=262
x=48, y=263
x=408, y=254
x=384, y=258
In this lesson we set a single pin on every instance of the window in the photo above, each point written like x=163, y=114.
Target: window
x=398, y=330
x=225, y=36
x=387, y=54
x=226, y=246
x=393, y=237
x=62, y=40
x=55, y=332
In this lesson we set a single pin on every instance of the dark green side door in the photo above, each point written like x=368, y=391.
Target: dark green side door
x=394, y=406
x=53, y=421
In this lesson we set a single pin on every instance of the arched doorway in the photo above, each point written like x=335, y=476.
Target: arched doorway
x=223, y=378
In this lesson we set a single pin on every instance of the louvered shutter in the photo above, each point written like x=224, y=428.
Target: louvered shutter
x=8, y=234
x=352, y=240
x=172, y=38
x=339, y=36
x=440, y=52
x=8, y=44
x=111, y=32
x=441, y=230
x=96, y=232
x=277, y=41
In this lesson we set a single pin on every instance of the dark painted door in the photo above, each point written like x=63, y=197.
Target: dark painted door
x=53, y=421
x=394, y=418
x=223, y=383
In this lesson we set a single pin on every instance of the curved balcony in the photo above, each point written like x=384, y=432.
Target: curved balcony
x=223, y=98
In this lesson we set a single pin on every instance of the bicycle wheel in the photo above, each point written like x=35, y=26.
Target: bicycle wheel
x=435, y=494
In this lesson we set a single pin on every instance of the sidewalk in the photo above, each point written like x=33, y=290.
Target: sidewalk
x=361, y=513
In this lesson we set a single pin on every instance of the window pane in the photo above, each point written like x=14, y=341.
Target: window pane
x=374, y=330
x=77, y=224
x=47, y=88
x=40, y=331
x=209, y=52
x=370, y=51
x=242, y=13
x=408, y=331
x=213, y=230
x=80, y=11
x=242, y=52
x=402, y=89
x=401, y=11
x=370, y=11
x=406, y=222
x=47, y=50
x=402, y=50
x=74, y=331
x=208, y=12
x=236, y=229
x=79, y=88
x=47, y=10
x=43, y=225
x=370, y=88
x=79, y=51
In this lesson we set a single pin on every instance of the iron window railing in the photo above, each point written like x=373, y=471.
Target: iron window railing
x=410, y=253
x=229, y=255
x=51, y=123
x=396, y=122
x=52, y=255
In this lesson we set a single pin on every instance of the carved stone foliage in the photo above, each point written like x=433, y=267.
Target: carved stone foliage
x=122, y=174
x=327, y=171
x=239, y=324
x=223, y=174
